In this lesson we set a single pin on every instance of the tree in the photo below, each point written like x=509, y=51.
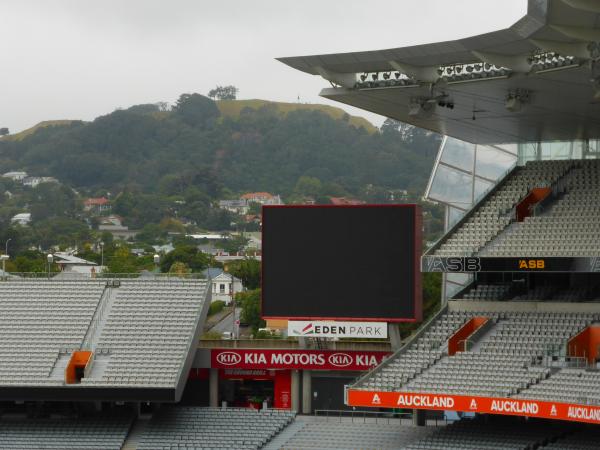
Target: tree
x=179, y=268
x=122, y=261
x=250, y=303
x=188, y=255
x=224, y=93
x=196, y=110
x=234, y=244
x=247, y=270
x=3, y=131
x=310, y=186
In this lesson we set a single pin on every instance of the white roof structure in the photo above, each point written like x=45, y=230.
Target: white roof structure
x=67, y=259
x=538, y=80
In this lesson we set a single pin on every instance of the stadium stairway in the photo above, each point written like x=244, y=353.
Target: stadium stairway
x=286, y=435
x=135, y=433
x=99, y=320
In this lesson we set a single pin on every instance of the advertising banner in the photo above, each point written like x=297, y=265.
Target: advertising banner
x=295, y=359
x=484, y=405
x=331, y=329
x=509, y=264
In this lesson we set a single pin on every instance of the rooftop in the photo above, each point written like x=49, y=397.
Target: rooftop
x=536, y=80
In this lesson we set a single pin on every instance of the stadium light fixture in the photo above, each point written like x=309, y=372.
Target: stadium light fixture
x=156, y=259
x=50, y=259
x=4, y=258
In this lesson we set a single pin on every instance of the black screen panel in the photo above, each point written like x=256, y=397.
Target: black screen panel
x=352, y=262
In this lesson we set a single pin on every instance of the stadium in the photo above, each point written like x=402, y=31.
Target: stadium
x=510, y=361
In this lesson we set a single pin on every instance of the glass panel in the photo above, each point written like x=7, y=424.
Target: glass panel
x=527, y=152
x=492, y=163
x=481, y=187
x=459, y=278
x=593, y=149
x=451, y=186
x=511, y=148
x=556, y=150
x=454, y=215
x=458, y=154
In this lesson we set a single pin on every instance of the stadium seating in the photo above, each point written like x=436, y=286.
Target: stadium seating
x=148, y=332
x=487, y=292
x=568, y=228
x=103, y=432
x=493, y=214
x=507, y=361
x=416, y=358
x=143, y=337
x=586, y=438
x=231, y=428
x=38, y=319
x=343, y=436
x=569, y=385
x=495, y=434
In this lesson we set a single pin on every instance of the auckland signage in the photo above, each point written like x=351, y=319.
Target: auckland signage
x=333, y=329
x=483, y=405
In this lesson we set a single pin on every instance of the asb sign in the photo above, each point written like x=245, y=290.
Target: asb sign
x=295, y=359
x=331, y=329
x=483, y=405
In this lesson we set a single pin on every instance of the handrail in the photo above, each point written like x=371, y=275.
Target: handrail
x=503, y=178
x=98, y=315
x=404, y=347
x=192, y=341
x=26, y=276
x=363, y=415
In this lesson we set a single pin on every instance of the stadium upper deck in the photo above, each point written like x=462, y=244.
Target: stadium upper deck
x=103, y=340
x=535, y=81
x=501, y=99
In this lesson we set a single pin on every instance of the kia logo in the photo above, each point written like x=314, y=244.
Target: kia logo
x=340, y=359
x=229, y=358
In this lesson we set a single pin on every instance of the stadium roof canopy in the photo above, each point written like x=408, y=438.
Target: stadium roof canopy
x=535, y=81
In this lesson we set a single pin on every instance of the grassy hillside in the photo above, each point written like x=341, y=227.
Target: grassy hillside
x=30, y=131
x=232, y=108
x=200, y=150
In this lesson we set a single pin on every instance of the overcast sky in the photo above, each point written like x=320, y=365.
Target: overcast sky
x=78, y=59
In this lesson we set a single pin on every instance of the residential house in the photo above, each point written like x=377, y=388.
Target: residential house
x=72, y=265
x=346, y=201
x=96, y=205
x=263, y=198
x=224, y=285
x=235, y=206
x=15, y=176
x=35, y=181
x=114, y=225
x=23, y=219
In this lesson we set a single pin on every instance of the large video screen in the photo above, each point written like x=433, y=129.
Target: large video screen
x=342, y=262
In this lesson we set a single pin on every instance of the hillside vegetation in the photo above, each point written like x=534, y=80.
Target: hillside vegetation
x=233, y=108
x=222, y=149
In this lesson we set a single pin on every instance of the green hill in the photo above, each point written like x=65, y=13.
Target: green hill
x=201, y=150
x=29, y=131
x=232, y=108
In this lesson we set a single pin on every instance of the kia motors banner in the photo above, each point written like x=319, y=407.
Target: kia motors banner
x=484, y=405
x=330, y=329
x=295, y=359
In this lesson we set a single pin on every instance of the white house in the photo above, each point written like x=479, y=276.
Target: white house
x=222, y=285
x=15, y=176
x=73, y=265
x=235, y=206
x=35, y=181
x=21, y=219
